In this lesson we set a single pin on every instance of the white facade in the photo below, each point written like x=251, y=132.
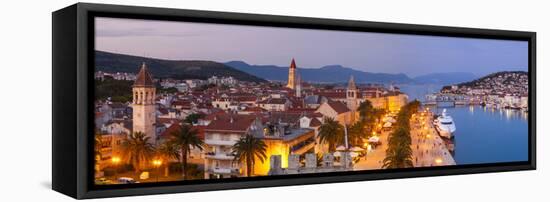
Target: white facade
x=219, y=161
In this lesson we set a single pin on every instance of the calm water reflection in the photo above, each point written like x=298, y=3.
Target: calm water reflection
x=483, y=135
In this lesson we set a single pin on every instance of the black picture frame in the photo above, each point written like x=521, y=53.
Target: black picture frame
x=72, y=70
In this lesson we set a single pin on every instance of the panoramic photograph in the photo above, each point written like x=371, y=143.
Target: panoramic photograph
x=179, y=101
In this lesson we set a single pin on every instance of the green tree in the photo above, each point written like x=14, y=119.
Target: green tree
x=167, y=152
x=137, y=150
x=247, y=149
x=331, y=133
x=399, y=157
x=193, y=118
x=356, y=133
x=369, y=116
x=186, y=138
x=117, y=90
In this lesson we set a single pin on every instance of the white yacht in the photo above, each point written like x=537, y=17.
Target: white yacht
x=445, y=125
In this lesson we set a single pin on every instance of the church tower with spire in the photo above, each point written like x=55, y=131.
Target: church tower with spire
x=292, y=75
x=143, y=104
x=351, y=95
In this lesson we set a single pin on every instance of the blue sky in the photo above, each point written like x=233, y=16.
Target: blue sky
x=372, y=52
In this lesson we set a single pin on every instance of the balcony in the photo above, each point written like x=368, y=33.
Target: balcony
x=227, y=142
x=219, y=156
x=224, y=170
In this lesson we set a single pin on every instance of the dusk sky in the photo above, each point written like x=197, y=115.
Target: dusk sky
x=371, y=52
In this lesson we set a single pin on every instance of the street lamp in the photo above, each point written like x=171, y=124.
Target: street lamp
x=115, y=160
x=438, y=161
x=157, y=164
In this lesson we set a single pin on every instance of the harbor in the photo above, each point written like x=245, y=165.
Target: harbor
x=429, y=148
x=475, y=140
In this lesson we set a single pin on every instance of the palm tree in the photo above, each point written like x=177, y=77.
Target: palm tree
x=186, y=138
x=356, y=133
x=332, y=133
x=97, y=148
x=400, y=136
x=398, y=157
x=365, y=108
x=247, y=149
x=167, y=151
x=97, y=144
x=137, y=150
x=399, y=152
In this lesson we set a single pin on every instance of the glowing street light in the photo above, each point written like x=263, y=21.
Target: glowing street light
x=157, y=163
x=438, y=161
x=115, y=160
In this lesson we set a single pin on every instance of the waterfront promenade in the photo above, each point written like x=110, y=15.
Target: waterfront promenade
x=427, y=146
x=374, y=159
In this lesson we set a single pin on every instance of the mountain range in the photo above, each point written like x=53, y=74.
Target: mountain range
x=202, y=69
x=445, y=78
x=338, y=73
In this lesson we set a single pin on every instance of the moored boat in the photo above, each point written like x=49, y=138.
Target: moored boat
x=445, y=125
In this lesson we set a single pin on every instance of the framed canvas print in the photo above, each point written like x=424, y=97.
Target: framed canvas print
x=154, y=100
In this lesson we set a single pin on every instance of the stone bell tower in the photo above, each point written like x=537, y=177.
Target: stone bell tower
x=292, y=75
x=143, y=104
x=351, y=95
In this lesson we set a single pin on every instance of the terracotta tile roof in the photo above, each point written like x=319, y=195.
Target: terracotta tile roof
x=254, y=109
x=284, y=117
x=144, y=78
x=200, y=131
x=168, y=120
x=174, y=128
x=231, y=122
x=278, y=101
x=245, y=99
x=302, y=110
x=315, y=122
x=168, y=132
x=338, y=107
x=213, y=115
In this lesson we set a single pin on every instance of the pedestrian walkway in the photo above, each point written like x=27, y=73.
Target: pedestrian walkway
x=427, y=146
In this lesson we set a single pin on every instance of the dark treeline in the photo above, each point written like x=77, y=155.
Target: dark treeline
x=117, y=90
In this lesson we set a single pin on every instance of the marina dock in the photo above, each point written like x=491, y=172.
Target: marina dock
x=429, y=149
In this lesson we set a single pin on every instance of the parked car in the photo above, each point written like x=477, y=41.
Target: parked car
x=126, y=180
